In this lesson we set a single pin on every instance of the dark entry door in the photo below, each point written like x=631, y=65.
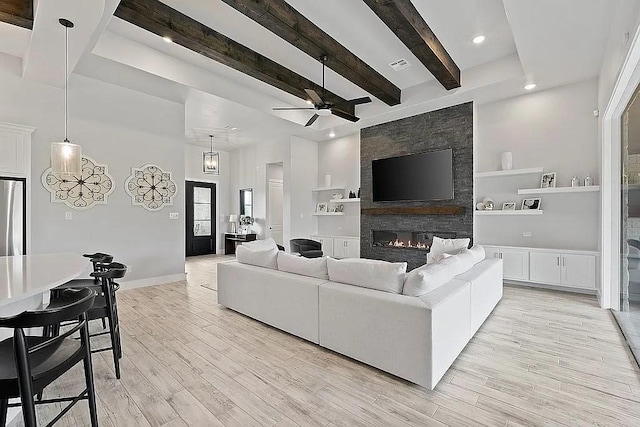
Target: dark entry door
x=200, y=220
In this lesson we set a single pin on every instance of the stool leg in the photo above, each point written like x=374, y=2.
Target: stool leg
x=88, y=374
x=24, y=378
x=114, y=337
x=4, y=405
x=104, y=323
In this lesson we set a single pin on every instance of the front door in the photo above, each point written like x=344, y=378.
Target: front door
x=200, y=220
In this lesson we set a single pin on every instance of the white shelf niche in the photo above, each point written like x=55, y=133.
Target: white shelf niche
x=328, y=214
x=501, y=212
x=509, y=172
x=558, y=190
x=319, y=189
x=341, y=201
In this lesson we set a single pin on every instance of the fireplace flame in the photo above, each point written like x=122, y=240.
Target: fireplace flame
x=401, y=244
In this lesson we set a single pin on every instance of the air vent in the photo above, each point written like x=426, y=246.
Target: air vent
x=400, y=64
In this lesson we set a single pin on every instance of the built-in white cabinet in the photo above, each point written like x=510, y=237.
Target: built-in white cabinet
x=515, y=263
x=338, y=246
x=573, y=269
x=15, y=144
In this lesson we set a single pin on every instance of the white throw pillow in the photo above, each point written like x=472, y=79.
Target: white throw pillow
x=312, y=267
x=262, y=258
x=427, y=278
x=478, y=253
x=368, y=273
x=261, y=245
x=445, y=246
x=465, y=261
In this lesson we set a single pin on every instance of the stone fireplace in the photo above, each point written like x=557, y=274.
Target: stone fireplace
x=413, y=240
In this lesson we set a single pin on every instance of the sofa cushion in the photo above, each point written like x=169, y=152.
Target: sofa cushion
x=261, y=245
x=445, y=246
x=429, y=277
x=466, y=260
x=311, y=267
x=262, y=258
x=478, y=253
x=368, y=273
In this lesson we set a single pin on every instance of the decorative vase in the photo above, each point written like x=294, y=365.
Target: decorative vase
x=327, y=180
x=575, y=182
x=588, y=181
x=480, y=206
x=507, y=161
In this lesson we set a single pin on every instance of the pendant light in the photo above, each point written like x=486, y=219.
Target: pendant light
x=211, y=160
x=66, y=158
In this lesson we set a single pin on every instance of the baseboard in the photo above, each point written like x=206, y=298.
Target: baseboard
x=152, y=281
x=551, y=287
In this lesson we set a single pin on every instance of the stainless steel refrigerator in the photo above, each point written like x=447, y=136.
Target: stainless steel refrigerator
x=12, y=217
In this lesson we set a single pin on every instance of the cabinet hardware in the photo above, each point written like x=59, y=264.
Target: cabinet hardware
x=558, y=259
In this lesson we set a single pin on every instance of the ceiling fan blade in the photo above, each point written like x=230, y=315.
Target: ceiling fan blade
x=315, y=98
x=311, y=120
x=344, y=115
x=292, y=108
x=356, y=101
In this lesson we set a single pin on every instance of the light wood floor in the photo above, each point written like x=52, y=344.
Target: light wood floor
x=542, y=358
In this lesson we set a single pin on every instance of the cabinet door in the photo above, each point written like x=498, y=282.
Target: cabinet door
x=327, y=245
x=339, y=248
x=491, y=252
x=515, y=264
x=545, y=267
x=579, y=271
x=352, y=248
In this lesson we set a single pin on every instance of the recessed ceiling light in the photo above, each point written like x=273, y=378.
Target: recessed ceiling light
x=479, y=39
x=167, y=39
x=530, y=86
x=234, y=129
x=332, y=134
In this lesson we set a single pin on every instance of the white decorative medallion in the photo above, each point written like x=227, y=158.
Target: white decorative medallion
x=80, y=191
x=150, y=187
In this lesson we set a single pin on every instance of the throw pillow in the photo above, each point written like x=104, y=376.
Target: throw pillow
x=478, y=253
x=427, y=278
x=312, y=267
x=449, y=246
x=262, y=258
x=368, y=273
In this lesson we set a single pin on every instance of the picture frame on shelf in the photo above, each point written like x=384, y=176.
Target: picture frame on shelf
x=509, y=206
x=340, y=208
x=331, y=208
x=321, y=207
x=548, y=180
x=532, y=204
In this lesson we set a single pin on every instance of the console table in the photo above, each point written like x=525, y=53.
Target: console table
x=232, y=240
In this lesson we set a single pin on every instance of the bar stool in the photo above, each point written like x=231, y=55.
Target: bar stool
x=28, y=364
x=105, y=306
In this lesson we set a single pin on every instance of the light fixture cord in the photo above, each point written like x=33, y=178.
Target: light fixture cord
x=66, y=73
x=211, y=136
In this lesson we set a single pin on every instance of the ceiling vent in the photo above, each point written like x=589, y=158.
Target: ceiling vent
x=400, y=64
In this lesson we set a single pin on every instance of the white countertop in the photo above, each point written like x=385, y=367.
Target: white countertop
x=28, y=275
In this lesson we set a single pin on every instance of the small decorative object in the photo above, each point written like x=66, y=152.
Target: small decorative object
x=352, y=195
x=488, y=203
x=575, y=182
x=211, y=160
x=233, y=220
x=509, y=206
x=337, y=196
x=150, y=187
x=480, y=206
x=82, y=191
x=588, y=181
x=246, y=222
x=548, y=180
x=507, y=161
x=327, y=180
x=358, y=193
x=531, y=204
x=331, y=208
x=339, y=208
x=321, y=207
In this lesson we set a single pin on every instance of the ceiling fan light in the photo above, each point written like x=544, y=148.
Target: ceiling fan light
x=323, y=112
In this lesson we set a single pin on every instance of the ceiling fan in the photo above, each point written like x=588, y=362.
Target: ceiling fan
x=322, y=108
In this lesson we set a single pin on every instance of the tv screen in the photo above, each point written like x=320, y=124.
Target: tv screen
x=419, y=177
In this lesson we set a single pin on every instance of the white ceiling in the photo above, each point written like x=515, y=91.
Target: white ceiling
x=548, y=41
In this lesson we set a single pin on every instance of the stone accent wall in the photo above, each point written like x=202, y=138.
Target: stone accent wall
x=437, y=130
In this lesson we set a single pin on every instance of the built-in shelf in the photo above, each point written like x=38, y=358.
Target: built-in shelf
x=319, y=189
x=556, y=190
x=341, y=201
x=509, y=172
x=501, y=212
x=328, y=214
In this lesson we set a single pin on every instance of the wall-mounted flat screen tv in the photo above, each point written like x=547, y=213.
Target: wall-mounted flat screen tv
x=418, y=177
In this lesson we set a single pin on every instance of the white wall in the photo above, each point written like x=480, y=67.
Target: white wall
x=117, y=127
x=340, y=158
x=554, y=129
x=304, y=174
x=193, y=172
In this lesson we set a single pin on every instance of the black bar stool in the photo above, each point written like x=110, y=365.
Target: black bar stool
x=105, y=306
x=28, y=364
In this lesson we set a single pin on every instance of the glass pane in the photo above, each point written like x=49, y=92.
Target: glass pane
x=248, y=210
x=201, y=195
x=248, y=197
x=202, y=212
x=202, y=228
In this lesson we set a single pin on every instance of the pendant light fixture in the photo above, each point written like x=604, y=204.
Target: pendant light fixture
x=211, y=160
x=66, y=158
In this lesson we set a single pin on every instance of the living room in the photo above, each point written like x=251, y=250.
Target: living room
x=509, y=168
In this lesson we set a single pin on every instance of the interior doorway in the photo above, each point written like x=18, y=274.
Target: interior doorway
x=275, y=200
x=200, y=224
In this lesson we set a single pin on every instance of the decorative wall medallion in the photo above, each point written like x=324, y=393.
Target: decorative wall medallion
x=80, y=192
x=150, y=187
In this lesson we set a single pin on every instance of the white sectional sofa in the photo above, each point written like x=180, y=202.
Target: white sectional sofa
x=413, y=337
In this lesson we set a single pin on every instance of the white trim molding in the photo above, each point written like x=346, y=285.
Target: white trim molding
x=610, y=207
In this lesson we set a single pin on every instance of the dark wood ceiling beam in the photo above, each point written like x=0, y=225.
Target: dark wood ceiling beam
x=162, y=20
x=286, y=22
x=17, y=12
x=408, y=25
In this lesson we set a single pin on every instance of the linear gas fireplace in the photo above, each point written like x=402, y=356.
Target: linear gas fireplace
x=417, y=240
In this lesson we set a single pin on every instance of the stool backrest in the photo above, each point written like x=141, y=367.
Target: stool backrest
x=98, y=260
x=114, y=270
